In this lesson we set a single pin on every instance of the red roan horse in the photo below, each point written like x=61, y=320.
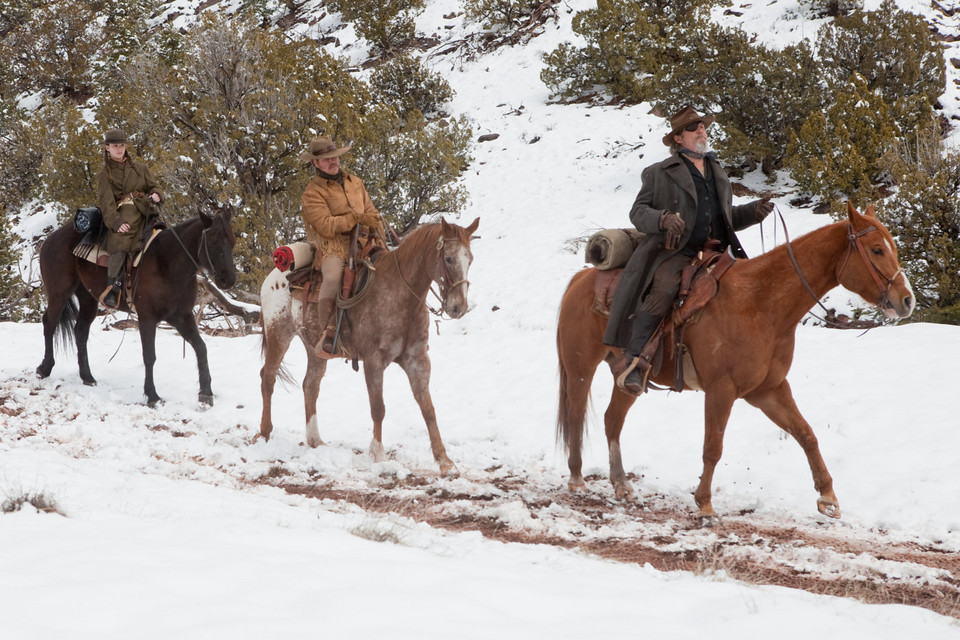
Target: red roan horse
x=741, y=346
x=165, y=289
x=391, y=324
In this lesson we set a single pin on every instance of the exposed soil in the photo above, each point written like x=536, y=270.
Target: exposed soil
x=820, y=557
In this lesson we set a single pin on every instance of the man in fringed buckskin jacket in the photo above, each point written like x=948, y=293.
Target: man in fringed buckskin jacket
x=334, y=202
x=684, y=201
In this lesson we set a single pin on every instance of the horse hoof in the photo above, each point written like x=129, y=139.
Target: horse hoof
x=828, y=508
x=314, y=442
x=449, y=470
x=577, y=486
x=623, y=491
x=709, y=522
x=43, y=372
x=90, y=383
x=152, y=403
x=207, y=399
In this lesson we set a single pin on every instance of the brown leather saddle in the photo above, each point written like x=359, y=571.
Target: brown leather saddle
x=699, y=283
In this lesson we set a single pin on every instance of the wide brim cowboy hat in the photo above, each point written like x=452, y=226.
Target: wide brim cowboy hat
x=322, y=147
x=679, y=120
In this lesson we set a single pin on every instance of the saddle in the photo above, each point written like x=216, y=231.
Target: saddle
x=699, y=283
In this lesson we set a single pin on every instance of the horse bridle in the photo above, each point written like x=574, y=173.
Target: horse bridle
x=853, y=241
x=882, y=281
x=204, y=246
x=445, y=278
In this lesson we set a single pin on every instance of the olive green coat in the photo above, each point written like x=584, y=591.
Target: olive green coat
x=115, y=182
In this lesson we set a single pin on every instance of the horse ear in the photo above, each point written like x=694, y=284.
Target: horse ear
x=473, y=227
x=870, y=212
x=852, y=213
x=444, y=227
x=206, y=220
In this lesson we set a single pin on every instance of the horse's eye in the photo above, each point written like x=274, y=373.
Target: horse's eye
x=449, y=260
x=877, y=251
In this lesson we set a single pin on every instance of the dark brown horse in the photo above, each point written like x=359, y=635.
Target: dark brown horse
x=165, y=288
x=391, y=324
x=741, y=346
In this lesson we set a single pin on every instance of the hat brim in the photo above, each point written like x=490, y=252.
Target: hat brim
x=706, y=120
x=306, y=156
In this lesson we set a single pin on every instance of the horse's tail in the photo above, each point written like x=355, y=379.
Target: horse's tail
x=563, y=404
x=64, y=336
x=565, y=419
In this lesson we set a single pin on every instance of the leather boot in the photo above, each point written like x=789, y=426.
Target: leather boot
x=633, y=379
x=324, y=347
x=111, y=295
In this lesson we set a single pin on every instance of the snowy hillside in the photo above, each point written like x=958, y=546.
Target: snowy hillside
x=175, y=522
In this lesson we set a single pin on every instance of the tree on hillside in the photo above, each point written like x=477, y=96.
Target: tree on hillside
x=760, y=95
x=385, y=24
x=894, y=51
x=230, y=135
x=11, y=287
x=627, y=42
x=52, y=50
x=925, y=213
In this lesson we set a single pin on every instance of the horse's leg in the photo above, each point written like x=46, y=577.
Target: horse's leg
x=81, y=332
x=275, y=344
x=571, y=419
x=51, y=320
x=186, y=325
x=717, y=405
x=778, y=405
x=373, y=375
x=613, y=419
x=148, y=336
x=57, y=317
x=316, y=368
x=417, y=369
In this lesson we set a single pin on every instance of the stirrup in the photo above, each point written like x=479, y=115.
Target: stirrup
x=638, y=362
x=111, y=289
x=324, y=348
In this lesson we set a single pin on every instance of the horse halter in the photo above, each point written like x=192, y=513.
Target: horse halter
x=882, y=281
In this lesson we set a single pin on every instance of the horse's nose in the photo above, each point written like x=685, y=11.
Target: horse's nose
x=908, y=304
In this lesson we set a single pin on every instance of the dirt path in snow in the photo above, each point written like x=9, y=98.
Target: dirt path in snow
x=823, y=557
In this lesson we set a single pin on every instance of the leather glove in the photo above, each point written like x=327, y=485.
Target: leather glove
x=762, y=208
x=368, y=219
x=672, y=223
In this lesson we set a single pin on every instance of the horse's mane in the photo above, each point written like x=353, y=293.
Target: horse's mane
x=779, y=254
x=420, y=238
x=425, y=236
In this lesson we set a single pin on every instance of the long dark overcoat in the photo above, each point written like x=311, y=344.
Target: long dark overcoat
x=667, y=186
x=114, y=182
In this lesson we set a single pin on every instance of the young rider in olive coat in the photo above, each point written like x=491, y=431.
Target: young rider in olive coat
x=125, y=189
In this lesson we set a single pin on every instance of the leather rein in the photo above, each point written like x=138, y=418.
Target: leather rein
x=883, y=282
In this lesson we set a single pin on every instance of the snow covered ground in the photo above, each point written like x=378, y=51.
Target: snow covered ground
x=164, y=533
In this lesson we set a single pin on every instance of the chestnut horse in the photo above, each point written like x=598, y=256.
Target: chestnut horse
x=165, y=288
x=390, y=324
x=741, y=346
